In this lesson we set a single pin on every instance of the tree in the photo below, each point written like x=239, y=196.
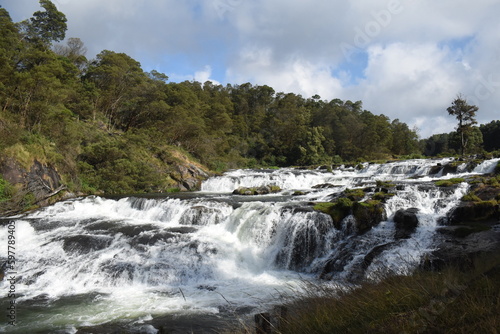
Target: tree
x=491, y=135
x=46, y=26
x=465, y=115
x=74, y=50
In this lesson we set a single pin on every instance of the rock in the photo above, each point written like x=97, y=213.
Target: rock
x=85, y=243
x=450, y=169
x=462, y=252
x=474, y=211
x=435, y=169
x=298, y=193
x=324, y=186
x=406, y=222
x=37, y=185
x=188, y=176
x=201, y=215
x=358, y=273
x=368, y=214
x=263, y=190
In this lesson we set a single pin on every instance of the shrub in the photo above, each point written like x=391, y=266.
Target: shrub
x=6, y=190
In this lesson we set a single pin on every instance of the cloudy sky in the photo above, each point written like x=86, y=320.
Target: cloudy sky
x=406, y=59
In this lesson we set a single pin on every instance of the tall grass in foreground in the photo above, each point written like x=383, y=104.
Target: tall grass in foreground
x=449, y=301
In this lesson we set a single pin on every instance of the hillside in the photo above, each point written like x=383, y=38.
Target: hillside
x=74, y=125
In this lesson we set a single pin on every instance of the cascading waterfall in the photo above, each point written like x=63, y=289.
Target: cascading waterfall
x=93, y=260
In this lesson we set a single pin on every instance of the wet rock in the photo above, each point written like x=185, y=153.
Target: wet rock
x=85, y=243
x=201, y=215
x=406, y=222
x=263, y=190
x=324, y=186
x=304, y=242
x=474, y=211
x=359, y=271
x=462, y=252
x=151, y=238
x=113, y=227
x=435, y=169
x=338, y=260
x=368, y=214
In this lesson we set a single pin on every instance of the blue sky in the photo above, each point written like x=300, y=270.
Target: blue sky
x=406, y=59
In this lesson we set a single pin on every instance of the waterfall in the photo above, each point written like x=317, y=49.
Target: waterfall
x=92, y=260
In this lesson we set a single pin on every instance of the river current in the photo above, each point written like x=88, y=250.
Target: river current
x=211, y=256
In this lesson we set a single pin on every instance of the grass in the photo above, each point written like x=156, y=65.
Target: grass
x=448, y=301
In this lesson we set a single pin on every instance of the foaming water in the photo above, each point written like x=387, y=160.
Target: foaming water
x=95, y=260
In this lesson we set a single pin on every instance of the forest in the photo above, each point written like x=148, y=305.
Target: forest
x=107, y=125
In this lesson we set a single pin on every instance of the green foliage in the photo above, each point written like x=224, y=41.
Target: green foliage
x=466, y=116
x=6, y=190
x=105, y=123
x=46, y=26
x=491, y=133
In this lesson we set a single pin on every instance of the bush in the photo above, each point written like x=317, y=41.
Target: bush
x=6, y=190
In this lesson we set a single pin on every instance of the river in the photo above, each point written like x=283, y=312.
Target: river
x=199, y=260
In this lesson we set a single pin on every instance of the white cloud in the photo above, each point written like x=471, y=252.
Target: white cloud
x=420, y=53
x=204, y=75
x=294, y=74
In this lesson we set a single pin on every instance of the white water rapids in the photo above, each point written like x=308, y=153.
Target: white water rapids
x=94, y=260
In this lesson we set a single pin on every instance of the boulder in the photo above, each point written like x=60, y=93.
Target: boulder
x=406, y=222
x=188, y=176
x=85, y=243
x=368, y=214
x=474, y=211
x=201, y=215
x=462, y=252
x=262, y=190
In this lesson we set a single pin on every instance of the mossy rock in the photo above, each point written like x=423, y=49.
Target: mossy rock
x=449, y=182
x=470, y=197
x=337, y=210
x=354, y=194
x=382, y=196
x=298, y=193
x=385, y=184
x=368, y=214
x=264, y=190
x=475, y=211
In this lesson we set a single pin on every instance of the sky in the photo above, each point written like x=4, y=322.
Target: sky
x=406, y=59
